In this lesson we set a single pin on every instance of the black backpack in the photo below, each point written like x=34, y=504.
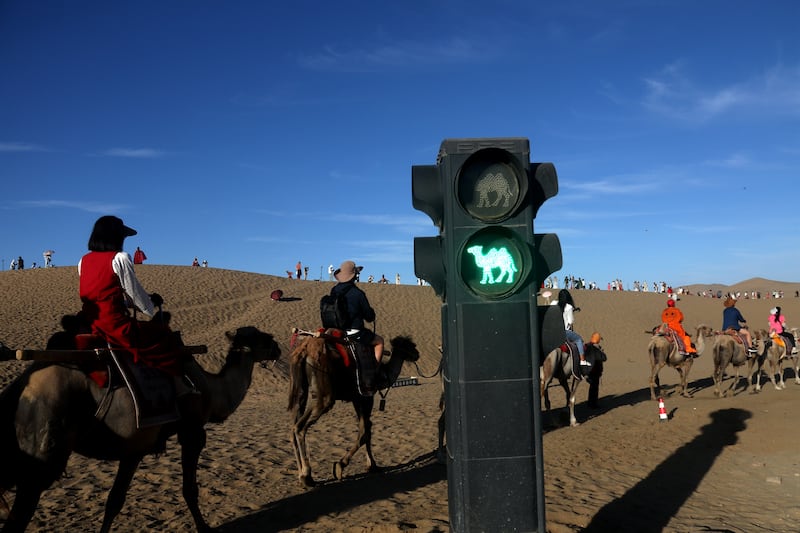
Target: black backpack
x=333, y=310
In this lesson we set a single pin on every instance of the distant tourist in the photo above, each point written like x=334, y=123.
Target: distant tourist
x=138, y=256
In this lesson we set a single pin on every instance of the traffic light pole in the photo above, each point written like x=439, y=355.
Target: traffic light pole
x=487, y=265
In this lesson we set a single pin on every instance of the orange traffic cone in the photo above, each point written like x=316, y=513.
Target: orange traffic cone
x=662, y=411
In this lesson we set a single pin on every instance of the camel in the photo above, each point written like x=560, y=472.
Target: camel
x=318, y=372
x=559, y=365
x=52, y=410
x=663, y=352
x=774, y=354
x=727, y=351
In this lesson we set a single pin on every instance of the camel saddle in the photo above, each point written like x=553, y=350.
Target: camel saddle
x=578, y=370
x=672, y=336
x=152, y=389
x=735, y=334
x=777, y=339
x=358, y=359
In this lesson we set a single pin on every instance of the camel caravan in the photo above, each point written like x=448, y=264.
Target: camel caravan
x=729, y=349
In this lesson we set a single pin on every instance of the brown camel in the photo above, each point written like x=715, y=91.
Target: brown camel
x=774, y=354
x=559, y=365
x=318, y=372
x=727, y=351
x=664, y=352
x=794, y=357
x=50, y=411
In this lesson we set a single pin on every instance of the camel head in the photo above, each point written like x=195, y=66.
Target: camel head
x=405, y=348
x=250, y=340
x=704, y=330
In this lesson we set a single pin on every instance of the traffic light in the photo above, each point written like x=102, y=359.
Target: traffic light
x=487, y=265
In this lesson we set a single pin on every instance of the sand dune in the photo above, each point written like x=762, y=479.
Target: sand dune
x=717, y=465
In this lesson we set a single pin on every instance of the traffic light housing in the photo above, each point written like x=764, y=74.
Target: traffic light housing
x=487, y=265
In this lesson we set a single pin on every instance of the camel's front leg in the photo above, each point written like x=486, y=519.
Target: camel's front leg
x=754, y=362
x=363, y=407
x=732, y=387
x=683, y=371
x=779, y=366
x=655, y=383
x=571, y=400
x=116, y=498
x=299, y=431
x=25, y=502
x=192, y=439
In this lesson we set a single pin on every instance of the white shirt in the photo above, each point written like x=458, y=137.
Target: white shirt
x=569, y=317
x=123, y=268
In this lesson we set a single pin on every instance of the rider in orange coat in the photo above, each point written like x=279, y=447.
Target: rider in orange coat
x=673, y=317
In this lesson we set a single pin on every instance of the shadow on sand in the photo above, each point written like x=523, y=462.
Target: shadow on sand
x=332, y=496
x=650, y=504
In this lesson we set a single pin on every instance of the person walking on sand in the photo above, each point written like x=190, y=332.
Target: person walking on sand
x=597, y=370
x=138, y=256
x=298, y=269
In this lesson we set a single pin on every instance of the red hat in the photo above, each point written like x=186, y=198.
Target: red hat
x=670, y=303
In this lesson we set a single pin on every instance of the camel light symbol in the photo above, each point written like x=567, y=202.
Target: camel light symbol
x=496, y=183
x=494, y=258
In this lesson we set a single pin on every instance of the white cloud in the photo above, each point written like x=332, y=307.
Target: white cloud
x=20, y=147
x=774, y=92
x=91, y=207
x=141, y=153
x=396, y=55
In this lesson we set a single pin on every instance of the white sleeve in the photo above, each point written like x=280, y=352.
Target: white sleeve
x=569, y=318
x=123, y=268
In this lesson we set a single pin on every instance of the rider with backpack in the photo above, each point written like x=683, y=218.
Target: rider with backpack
x=358, y=308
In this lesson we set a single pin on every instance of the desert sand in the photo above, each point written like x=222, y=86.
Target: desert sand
x=717, y=464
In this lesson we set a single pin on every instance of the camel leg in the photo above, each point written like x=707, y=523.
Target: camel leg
x=797, y=370
x=568, y=392
x=116, y=497
x=363, y=411
x=719, y=372
x=299, y=431
x=571, y=400
x=655, y=383
x=735, y=381
x=683, y=371
x=757, y=364
x=25, y=503
x=192, y=439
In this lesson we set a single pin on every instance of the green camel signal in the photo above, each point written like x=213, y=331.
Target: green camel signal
x=494, y=258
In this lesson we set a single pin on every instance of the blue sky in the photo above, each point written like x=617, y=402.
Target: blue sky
x=257, y=134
